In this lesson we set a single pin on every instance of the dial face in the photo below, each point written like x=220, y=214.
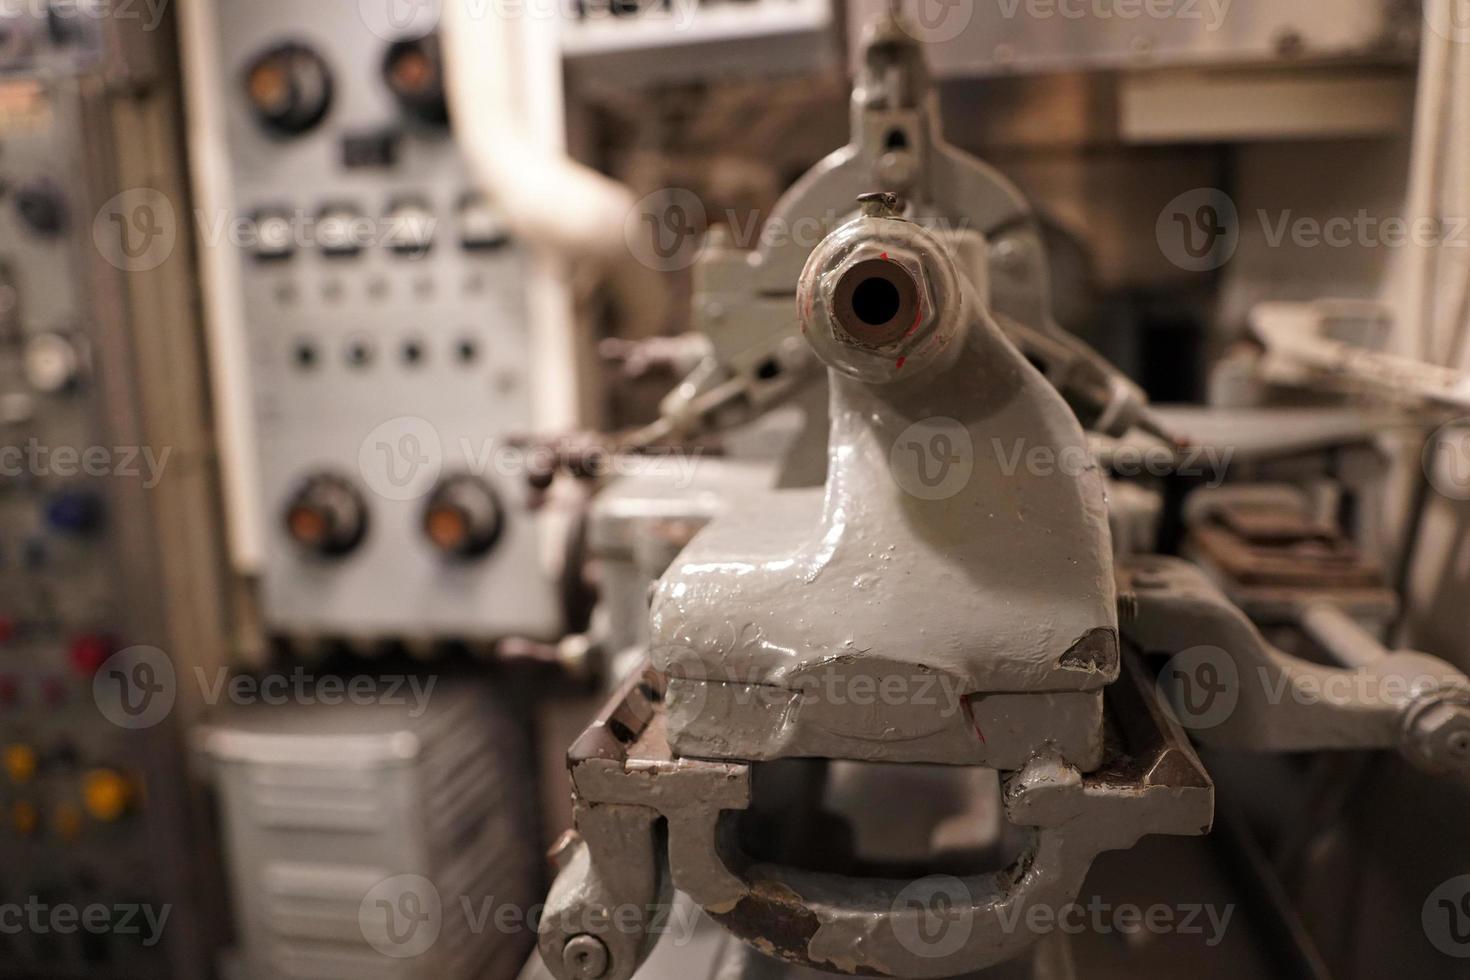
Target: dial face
x=414, y=73
x=327, y=516
x=289, y=89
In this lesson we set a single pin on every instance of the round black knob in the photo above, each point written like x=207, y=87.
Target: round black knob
x=41, y=207
x=289, y=88
x=327, y=516
x=463, y=518
x=414, y=71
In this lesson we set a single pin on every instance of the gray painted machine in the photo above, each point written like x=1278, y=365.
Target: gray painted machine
x=943, y=599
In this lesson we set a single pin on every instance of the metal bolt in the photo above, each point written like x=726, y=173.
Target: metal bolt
x=585, y=957
x=881, y=204
x=1460, y=743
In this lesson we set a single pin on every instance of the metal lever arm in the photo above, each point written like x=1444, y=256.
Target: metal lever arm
x=1233, y=689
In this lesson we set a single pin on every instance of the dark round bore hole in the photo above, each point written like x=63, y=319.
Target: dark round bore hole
x=413, y=352
x=875, y=301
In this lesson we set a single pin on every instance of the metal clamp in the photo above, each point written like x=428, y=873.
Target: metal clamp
x=648, y=819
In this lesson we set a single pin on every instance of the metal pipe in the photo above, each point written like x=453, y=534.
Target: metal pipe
x=1340, y=635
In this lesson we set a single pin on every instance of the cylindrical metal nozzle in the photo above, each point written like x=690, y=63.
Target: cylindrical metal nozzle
x=880, y=298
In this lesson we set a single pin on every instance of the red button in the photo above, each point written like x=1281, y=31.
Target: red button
x=88, y=653
x=53, y=689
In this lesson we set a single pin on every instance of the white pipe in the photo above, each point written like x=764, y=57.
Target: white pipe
x=224, y=319
x=1426, y=167
x=1458, y=204
x=504, y=86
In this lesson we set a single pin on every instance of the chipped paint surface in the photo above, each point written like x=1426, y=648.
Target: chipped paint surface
x=1003, y=583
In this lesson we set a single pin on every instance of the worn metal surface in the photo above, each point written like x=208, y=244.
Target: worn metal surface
x=1150, y=783
x=970, y=38
x=861, y=582
x=1276, y=560
x=744, y=299
x=1234, y=690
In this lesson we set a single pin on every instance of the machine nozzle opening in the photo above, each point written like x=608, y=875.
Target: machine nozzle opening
x=877, y=303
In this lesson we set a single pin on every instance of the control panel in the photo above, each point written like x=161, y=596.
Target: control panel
x=388, y=333
x=85, y=799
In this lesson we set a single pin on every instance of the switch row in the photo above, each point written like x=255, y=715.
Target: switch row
x=344, y=231
x=361, y=352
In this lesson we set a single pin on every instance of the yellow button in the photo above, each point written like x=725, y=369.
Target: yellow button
x=25, y=816
x=105, y=794
x=68, y=822
x=20, y=763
